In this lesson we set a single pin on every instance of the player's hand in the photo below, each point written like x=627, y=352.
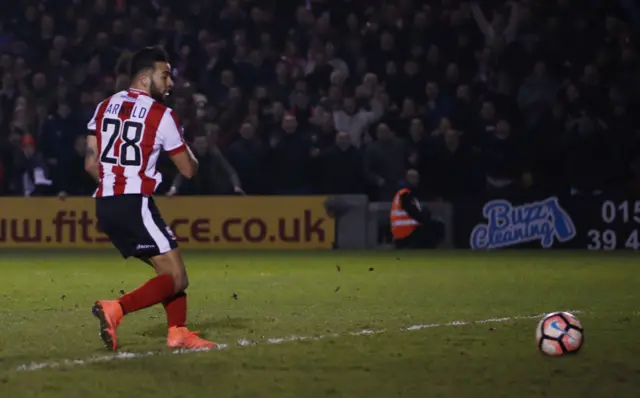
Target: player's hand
x=172, y=191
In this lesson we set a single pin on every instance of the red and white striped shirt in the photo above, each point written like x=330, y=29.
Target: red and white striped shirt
x=131, y=128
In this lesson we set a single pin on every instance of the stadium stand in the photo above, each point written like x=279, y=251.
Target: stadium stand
x=483, y=99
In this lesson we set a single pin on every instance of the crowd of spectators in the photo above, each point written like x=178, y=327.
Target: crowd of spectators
x=482, y=98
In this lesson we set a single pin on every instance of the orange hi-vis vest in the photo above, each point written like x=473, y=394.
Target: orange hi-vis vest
x=401, y=224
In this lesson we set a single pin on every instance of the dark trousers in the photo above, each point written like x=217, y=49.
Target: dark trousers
x=425, y=236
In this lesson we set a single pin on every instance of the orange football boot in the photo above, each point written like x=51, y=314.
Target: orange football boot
x=109, y=313
x=181, y=337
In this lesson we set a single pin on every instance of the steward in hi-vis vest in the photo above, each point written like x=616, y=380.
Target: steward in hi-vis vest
x=412, y=226
x=402, y=225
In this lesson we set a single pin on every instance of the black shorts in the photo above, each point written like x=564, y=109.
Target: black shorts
x=134, y=225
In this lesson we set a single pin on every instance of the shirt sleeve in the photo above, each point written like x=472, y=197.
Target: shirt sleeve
x=91, y=126
x=171, y=133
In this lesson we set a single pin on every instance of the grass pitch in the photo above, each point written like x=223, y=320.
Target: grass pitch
x=45, y=318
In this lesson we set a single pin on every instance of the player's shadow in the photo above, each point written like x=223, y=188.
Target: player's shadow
x=206, y=326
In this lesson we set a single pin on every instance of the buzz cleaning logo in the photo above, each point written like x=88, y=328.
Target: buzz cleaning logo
x=509, y=225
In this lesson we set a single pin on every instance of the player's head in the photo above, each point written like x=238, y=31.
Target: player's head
x=150, y=71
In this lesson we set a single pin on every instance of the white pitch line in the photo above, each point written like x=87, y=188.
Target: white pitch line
x=33, y=366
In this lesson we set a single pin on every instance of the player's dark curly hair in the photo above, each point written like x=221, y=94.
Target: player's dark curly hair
x=146, y=59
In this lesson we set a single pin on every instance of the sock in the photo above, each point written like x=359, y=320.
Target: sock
x=153, y=292
x=176, y=308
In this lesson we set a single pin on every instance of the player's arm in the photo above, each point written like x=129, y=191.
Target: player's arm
x=175, y=185
x=185, y=161
x=173, y=143
x=91, y=162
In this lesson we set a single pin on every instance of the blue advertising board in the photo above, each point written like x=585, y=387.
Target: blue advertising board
x=593, y=223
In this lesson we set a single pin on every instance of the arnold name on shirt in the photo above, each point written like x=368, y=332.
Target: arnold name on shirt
x=126, y=112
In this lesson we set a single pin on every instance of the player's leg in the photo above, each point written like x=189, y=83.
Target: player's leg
x=168, y=266
x=109, y=212
x=148, y=237
x=171, y=263
x=130, y=224
x=138, y=230
x=178, y=335
x=164, y=285
x=175, y=306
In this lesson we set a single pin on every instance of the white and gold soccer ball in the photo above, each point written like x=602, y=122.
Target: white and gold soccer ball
x=559, y=333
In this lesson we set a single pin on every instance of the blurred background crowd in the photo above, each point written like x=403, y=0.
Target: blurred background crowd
x=482, y=98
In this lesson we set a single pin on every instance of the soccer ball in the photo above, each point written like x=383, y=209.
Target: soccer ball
x=559, y=333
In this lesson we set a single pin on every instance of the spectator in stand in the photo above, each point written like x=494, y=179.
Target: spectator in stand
x=385, y=162
x=288, y=159
x=8, y=96
x=505, y=163
x=215, y=175
x=58, y=138
x=537, y=93
x=590, y=156
x=324, y=133
x=450, y=171
x=406, y=116
x=485, y=125
x=246, y=155
x=32, y=175
x=341, y=168
x=354, y=118
x=418, y=145
x=500, y=31
x=438, y=105
x=73, y=180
